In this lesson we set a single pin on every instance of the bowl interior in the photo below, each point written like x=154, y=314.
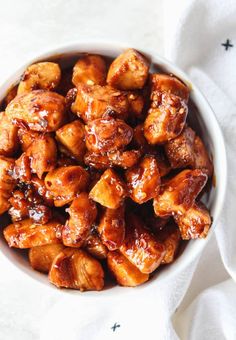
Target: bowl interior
x=200, y=118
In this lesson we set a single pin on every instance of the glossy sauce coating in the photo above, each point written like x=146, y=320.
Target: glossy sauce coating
x=129, y=71
x=109, y=191
x=82, y=213
x=90, y=70
x=93, y=102
x=126, y=274
x=74, y=268
x=140, y=247
x=143, y=180
x=107, y=135
x=73, y=179
x=179, y=193
x=41, y=257
x=40, y=110
x=26, y=234
x=112, y=227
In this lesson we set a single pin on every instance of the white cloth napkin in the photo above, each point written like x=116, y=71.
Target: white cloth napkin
x=194, y=32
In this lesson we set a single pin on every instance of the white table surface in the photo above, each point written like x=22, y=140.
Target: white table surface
x=29, y=27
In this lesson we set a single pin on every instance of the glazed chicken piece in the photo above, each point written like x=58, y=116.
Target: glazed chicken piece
x=179, y=193
x=122, y=159
x=41, y=257
x=125, y=273
x=82, y=213
x=42, y=153
x=72, y=137
x=129, y=71
x=195, y=222
x=107, y=135
x=188, y=150
x=97, y=101
x=170, y=84
x=27, y=234
x=39, y=110
x=19, y=206
x=24, y=205
x=26, y=137
x=44, y=75
x=109, y=191
x=65, y=183
x=74, y=268
x=180, y=149
x=143, y=180
x=7, y=183
x=139, y=141
x=8, y=136
x=136, y=104
x=168, y=112
x=170, y=237
x=95, y=247
x=112, y=227
x=22, y=171
x=201, y=157
x=90, y=70
x=141, y=247
x=97, y=160
x=165, y=121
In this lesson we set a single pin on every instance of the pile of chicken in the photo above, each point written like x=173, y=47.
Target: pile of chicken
x=99, y=171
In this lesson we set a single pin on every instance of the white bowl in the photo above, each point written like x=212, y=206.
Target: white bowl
x=204, y=119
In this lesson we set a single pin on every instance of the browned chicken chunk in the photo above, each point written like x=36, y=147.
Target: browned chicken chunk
x=39, y=110
x=72, y=137
x=107, y=135
x=125, y=273
x=165, y=120
x=7, y=183
x=188, y=150
x=143, y=180
x=74, y=268
x=122, y=159
x=179, y=193
x=97, y=101
x=82, y=213
x=27, y=234
x=8, y=136
x=129, y=71
x=170, y=237
x=65, y=183
x=170, y=84
x=22, y=171
x=109, y=191
x=180, y=149
x=26, y=137
x=44, y=75
x=140, y=247
x=112, y=227
x=41, y=257
x=95, y=247
x=42, y=153
x=90, y=70
x=201, y=157
x=136, y=104
x=195, y=222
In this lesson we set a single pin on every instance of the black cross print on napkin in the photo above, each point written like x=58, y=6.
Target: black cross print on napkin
x=116, y=325
x=227, y=44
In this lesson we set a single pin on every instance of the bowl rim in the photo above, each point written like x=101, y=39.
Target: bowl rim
x=103, y=47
